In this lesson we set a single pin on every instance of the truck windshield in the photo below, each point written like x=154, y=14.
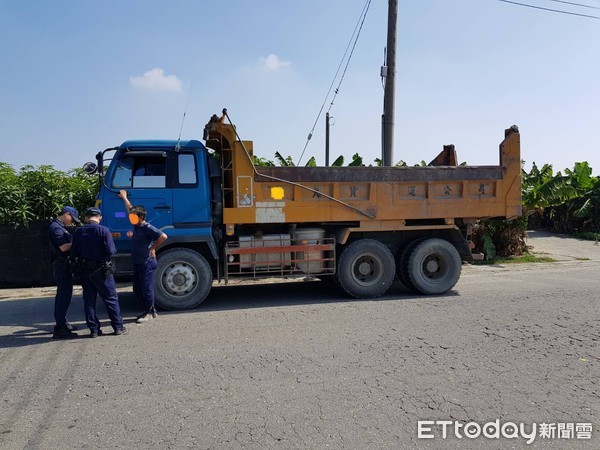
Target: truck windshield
x=140, y=171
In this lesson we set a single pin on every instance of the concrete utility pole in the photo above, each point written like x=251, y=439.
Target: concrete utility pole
x=389, y=73
x=327, y=139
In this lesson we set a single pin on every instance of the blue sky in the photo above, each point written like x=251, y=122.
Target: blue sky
x=81, y=76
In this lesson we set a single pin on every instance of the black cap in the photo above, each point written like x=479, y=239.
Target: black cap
x=92, y=212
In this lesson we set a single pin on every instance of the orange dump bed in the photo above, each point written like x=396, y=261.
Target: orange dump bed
x=381, y=197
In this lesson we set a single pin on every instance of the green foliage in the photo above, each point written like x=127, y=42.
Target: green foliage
x=525, y=258
x=588, y=236
x=13, y=199
x=489, y=249
x=284, y=162
x=39, y=193
x=379, y=163
x=532, y=183
x=501, y=237
x=312, y=162
x=356, y=161
x=262, y=162
x=570, y=201
x=339, y=162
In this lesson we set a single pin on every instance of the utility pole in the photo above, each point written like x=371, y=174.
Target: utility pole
x=327, y=140
x=389, y=73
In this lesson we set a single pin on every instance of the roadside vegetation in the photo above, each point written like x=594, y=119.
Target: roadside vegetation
x=34, y=194
x=588, y=236
x=524, y=258
x=564, y=202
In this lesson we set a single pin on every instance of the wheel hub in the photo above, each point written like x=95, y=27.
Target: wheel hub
x=364, y=268
x=435, y=267
x=367, y=270
x=179, y=278
x=432, y=266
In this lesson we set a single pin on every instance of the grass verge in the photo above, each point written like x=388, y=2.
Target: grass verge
x=525, y=258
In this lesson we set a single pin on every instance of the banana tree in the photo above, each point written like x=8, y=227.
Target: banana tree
x=533, y=197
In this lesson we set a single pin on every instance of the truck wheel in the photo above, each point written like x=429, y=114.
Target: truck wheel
x=182, y=279
x=433, y=266
x=366, y=269
x=402, y=263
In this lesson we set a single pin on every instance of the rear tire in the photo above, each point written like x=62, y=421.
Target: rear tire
x=433, y=266
x=402, y=263
x=366, y=269
x=182, y=279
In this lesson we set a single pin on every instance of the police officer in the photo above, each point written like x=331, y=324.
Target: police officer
x=93, y=245
x=59, y=238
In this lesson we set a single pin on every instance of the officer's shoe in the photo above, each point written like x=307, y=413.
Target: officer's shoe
x=154, y=314
x=72, y=327
x=120, y=331
x=145, y=318
x=95, y=334
x=63, y=333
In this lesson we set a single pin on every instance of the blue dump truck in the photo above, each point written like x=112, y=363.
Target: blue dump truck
x=361, y=227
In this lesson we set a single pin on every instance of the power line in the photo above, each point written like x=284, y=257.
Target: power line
x=575, y=4
x=551, y=10
x=356, y=32
x=337, y=90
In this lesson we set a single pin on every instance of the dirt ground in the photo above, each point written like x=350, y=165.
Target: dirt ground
x=562, y=247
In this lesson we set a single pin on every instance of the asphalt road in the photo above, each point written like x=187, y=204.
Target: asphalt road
x=294, y=365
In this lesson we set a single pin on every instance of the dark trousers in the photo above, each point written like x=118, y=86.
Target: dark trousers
x=143, y=283
x=103, y=285
x=64, y=290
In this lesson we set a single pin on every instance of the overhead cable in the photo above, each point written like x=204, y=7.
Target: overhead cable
x=549, y=9
x=356, y=32
x=575, y=4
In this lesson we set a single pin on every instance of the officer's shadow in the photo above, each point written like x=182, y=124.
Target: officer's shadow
x=30, y=321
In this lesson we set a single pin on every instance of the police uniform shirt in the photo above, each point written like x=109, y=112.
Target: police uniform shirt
x=143, y=238
x=93, y=242
x=58, y=236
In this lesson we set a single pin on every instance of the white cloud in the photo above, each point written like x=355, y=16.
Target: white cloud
x=156, y=80
x=272, y=63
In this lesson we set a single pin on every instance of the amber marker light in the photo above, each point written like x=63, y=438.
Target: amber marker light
x=277, y=193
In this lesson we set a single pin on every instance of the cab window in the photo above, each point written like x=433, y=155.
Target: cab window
x=186, y=169
x=142, y=171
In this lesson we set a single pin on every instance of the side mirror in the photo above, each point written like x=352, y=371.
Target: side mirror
x=90, y=168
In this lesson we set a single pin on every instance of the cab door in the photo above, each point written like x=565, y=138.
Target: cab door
x=144, y=175
x=190, y=190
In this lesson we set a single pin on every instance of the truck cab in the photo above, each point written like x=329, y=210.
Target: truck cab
x=171, y=180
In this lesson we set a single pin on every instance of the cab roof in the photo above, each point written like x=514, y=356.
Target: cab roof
x=145, y=144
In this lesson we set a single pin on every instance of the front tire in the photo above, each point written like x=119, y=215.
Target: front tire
x=366, y=269
x=433, y=266
x=182, y=279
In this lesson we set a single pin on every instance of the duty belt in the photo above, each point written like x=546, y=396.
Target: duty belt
x=91, y=267
x=90, y=264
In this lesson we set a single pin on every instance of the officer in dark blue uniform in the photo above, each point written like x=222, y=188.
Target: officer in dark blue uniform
x=145, y=239
x=93, y=245
x=59, y=238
